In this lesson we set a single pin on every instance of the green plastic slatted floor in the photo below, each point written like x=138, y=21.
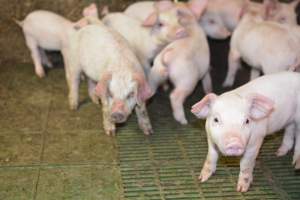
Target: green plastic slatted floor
x=165, y=166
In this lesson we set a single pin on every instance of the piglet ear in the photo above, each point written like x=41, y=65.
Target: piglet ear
x=144, y=91
x=151, y=20
x=197, y=7
x=202, y=108
x=101, y=89
x=105, y=10
x=270, y=6
x=91, y=10
x=294, y=3
x=261, y=106
x=163, y=5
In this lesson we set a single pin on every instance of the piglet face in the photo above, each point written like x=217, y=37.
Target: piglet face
x=284, y=13
x=121, y=93
x=229, y=125
x=232, y=119
x=165, y=22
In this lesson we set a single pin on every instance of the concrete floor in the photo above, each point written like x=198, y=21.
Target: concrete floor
x=50, y=152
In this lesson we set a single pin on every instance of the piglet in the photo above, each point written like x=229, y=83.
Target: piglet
x=149, y=37
x=238, y=121
x=44, y=30
x=140, y=10
x=216, y=29
x=266, y=46
x=116, y=75
x=185, y=61
x=223, y=16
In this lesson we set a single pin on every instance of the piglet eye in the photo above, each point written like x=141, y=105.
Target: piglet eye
x=282, y=19
x=130, y=95
x=247, y=121
x=216, y=120
x=159, y=24
x=211, y=21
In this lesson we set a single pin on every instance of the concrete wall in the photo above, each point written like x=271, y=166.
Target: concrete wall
x=12, y=44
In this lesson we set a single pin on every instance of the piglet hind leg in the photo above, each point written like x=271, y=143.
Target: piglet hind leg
x=207, y=83
x=234, y=65
x=210, y=163
x=45, y=59
x=177, y=97
x=143, y=119
x=247, y=165
x=288, y=140
x=36, y=57
x=91, y=88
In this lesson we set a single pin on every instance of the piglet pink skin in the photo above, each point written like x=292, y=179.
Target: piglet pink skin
x=238, y=121
x=279, y=51
x=222, y=16
x=146, y=38
x=172, y=62
x=44, y=30
x=120, y=81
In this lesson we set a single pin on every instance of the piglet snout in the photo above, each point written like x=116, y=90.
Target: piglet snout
x=181, y=33
x=118, y=112
x=234, y=147
x=118, y=117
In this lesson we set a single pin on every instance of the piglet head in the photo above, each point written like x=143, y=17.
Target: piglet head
x=283, y=13
x=231, y=119
x=120, y=94
x=165, y=22
x=90, y=11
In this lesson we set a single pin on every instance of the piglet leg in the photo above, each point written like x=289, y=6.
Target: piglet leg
x=210, y=164
x=254, y=74
x=143, y=119
x=45, y=59
x=247, y=164
x=93, y=96
x=296, y=158
x=207, y=83
x=109, y=126
x=288, y=140
x=36, y=57
x=234, y=65
x=177, y=97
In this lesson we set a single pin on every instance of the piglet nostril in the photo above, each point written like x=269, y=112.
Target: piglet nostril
x=118, y=117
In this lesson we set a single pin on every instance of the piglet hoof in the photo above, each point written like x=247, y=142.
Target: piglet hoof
x=95, y=99
x=242, y=187
x=205, y=174
x=227, y=84
x=73, y=105
x=182, y=121
x=283, y=150
x=166, y=87
x=49, y=64
x=243, y=183
x=148, y=131
x=110, y=132
x=40, y=73
x=296, y=162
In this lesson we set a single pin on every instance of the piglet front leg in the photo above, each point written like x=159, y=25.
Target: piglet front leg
x=210, y=164
x=247, y=165
x=109, y=126
x=143, y=119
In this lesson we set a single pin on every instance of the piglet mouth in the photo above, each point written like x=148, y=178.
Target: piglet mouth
x=118, y=117
x=234, y=149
